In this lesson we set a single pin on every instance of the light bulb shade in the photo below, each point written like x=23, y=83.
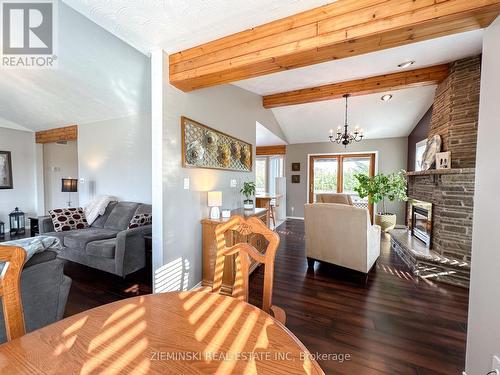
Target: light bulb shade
x=69, y=185
x=214, y=198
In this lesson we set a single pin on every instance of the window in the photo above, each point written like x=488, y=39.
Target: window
x=267, y=168
x=335, y=174
x=275, y=170
x=419, y=152
x=261, y=175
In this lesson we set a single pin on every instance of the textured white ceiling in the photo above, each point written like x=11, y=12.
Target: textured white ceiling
x=99, y=77
x=178, y=24
x=312, y=122
x=265, y=137
x=427, y=53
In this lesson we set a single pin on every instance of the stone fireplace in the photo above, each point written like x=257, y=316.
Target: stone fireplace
x=437, y=242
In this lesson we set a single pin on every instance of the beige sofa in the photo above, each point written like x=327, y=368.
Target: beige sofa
x=341, y=234
x=334, y=198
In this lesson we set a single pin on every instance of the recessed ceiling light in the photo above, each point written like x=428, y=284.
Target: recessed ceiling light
x=386, y=97
x=406, y=64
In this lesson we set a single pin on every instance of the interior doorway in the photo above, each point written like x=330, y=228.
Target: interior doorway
x=334, y=173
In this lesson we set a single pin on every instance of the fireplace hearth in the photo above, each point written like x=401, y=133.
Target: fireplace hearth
x=436, y=242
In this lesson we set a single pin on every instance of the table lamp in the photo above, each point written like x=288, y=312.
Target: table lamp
x=214, y=202
x=69, y=185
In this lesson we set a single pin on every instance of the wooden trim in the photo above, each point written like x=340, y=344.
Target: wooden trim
x=387, y=82
x=10, y=291
x=67, y=133
x=340, y=159
x=342, y=29
x=270, y=150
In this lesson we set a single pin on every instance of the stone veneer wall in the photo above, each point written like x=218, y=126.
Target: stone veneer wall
x=452, y=194
x=456, y=109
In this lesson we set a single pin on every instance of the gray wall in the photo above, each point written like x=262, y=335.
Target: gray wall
x=391, y=158
x=114, y=158
x=21, y=144
x=483, y=339
x=59, y=161
x=177, y=255
x=419, y=133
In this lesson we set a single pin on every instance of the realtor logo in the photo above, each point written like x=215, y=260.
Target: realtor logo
x=28, y=34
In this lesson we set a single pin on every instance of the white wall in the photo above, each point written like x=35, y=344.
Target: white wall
x=59, y=161
x=483, y=339
x=392, y=154
x=114, y=158
x=21, y=144
x=226, y=108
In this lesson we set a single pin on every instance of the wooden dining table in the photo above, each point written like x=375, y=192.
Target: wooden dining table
x=167, y=333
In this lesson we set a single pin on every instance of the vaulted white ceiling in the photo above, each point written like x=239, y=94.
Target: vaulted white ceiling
x=265, y=137
x=427, y=53
x=174, y=25
x=312, y=122
x=99, y=77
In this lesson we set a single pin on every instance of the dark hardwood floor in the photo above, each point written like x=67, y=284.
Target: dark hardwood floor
x=91, y=288
x=389, y=322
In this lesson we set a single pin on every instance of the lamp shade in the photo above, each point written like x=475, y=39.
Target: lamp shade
x=69, y=185
x=214, y=198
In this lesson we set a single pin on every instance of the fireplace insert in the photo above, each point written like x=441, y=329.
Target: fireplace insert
x=421, y=221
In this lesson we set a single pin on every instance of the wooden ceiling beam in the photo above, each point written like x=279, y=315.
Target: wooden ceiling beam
x=334, y=31
x=387, y=82
x=270, y=150
x=67, y=133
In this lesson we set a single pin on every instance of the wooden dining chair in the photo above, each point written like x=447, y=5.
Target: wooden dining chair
x=244, y=252
x=10, y=290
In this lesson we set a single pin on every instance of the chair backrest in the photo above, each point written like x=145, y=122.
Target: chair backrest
x=10, y=290
x=334, y=198
x=244, y=252
x=337, y=233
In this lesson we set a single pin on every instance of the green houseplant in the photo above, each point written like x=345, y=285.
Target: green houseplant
x=380, y=188
x=248, y=190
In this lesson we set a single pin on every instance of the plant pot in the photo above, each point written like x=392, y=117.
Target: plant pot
x=248, y=204
x=385, y=221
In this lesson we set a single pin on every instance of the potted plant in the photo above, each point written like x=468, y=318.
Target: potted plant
x=379, y=188
x=248, y=190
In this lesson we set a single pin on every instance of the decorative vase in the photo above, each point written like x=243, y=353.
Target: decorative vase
x=386, y=221
x=248, y=204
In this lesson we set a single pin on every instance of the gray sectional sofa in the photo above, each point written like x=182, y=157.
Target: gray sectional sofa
x=107, y=244
x=44, y=292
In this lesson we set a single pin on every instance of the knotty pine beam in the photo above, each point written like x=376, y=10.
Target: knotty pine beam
x=270, y=150
x=67, y=133
x=387, y=82
x=334, y=31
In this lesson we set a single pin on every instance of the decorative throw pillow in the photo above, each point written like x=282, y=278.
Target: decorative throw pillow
x=140, y=220
x=65, y=219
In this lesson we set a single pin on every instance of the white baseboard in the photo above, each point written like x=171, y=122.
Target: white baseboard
x=295, y=217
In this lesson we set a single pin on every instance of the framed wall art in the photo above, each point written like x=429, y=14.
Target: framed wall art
x=295, y=167
x=204, y=147
x=295, y=178
x=6, y=170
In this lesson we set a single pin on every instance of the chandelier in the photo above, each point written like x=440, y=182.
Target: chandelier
x=346, y=137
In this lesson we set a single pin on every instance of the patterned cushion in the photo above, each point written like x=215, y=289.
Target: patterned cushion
x=65, y=219
x=140, y=220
